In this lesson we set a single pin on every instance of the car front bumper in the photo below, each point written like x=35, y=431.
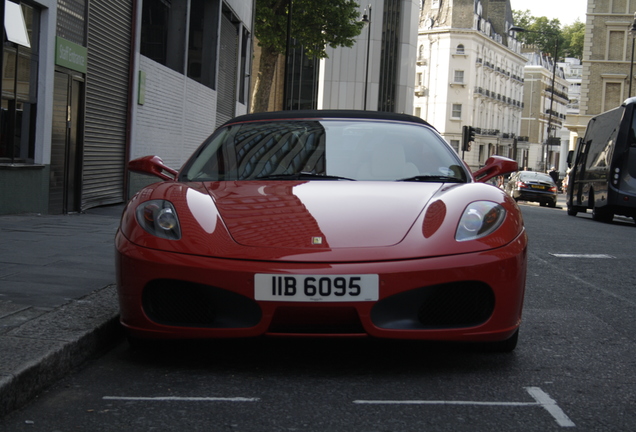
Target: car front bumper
x=469, y=297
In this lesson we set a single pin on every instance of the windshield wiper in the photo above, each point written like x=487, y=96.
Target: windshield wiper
x=302, y=176
x=432, y=179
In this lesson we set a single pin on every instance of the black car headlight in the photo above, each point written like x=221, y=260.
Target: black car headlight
x=159, y=218
x=479, y=219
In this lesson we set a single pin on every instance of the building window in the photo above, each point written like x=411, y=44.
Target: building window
x=460, y=50
x=418, y=111
x=390, y=55
x=418, y=82
x=455, y=145
x=163, y=38
x=19, y=86
x=243, y=76
x=613, y=95
x=616, y=46
x=456, y=111
x=459, y=77
x=163, y=32
x=202, y=41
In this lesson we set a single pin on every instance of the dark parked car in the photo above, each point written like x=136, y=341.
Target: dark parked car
x=532, y=186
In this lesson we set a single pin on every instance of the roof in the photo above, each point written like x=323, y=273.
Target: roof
x=321, y=114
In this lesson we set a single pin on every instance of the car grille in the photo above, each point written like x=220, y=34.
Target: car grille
x=316, y=320
x=455, y=305
x=185, y=304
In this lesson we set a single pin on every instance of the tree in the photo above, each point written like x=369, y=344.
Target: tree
x=314, y=25
x=574, y=35
x=544, y=33
x=541, y=31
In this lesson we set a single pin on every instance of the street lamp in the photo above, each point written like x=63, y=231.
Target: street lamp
x=554, y=65
x=367, y=20
x=632, y=33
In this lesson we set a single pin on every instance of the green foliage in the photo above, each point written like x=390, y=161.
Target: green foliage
x=270, y=26
x=574, y=35
x=545, y=34
x=314, y=24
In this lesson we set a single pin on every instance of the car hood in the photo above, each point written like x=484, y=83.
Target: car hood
x=320, y=221
x=319, y=214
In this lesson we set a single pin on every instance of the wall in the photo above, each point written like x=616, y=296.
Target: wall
x=177, y=115
x=24, y=189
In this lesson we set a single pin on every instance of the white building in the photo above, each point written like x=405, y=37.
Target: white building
x=470, y=72
x=573, y=70
x=379, y=69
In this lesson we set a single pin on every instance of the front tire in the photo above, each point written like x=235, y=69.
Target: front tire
x=600, y=214
x=504, y=346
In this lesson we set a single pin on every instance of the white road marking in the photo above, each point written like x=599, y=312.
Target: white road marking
x=441, y=402
x=550, y=406
x=542, y=399
x=595, y=256
x=186, y=399
x=585, y=282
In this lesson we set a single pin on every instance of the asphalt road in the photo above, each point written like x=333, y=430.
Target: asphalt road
x=574, y=367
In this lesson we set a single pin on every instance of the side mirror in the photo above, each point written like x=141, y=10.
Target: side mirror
x=152, y=165
x=495, y=166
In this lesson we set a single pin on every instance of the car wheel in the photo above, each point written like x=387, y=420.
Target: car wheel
x=572, y=212
x=602, y=215
x=552, y=204
x=139, y=344
x=504, y=346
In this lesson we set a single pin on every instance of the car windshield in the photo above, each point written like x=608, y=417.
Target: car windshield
x=325, y=150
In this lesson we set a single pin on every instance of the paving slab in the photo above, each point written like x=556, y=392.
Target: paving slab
x=58, y=302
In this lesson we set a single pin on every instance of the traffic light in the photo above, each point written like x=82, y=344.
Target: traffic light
x=468, y=137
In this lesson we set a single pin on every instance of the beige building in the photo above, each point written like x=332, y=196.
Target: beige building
x=607, y=60
x=544, y=110
x=469, y=72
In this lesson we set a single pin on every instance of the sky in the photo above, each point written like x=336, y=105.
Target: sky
x=567, y=11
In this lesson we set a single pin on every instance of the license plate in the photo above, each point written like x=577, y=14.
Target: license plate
x=316, y=288
x=538, y=187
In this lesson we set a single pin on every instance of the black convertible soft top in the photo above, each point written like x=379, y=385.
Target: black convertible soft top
x=322, y=114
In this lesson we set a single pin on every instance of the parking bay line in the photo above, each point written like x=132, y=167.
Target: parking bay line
x=184, y=399
x=541, y=399
x=572, y=255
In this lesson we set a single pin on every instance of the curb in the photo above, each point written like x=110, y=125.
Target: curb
x=43, y=350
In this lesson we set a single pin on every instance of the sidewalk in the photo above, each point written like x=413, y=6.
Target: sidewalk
x=58, y=303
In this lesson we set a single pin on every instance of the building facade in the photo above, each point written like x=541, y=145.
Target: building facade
x=573, y=71
x=544, y=112
x=190, y=75
x=470, y=72
x=65, y=95
x=377, y=73
x=607, y=77
x=89, y=84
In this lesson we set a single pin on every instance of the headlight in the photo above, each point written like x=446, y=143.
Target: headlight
x=159, y=218
x=479, y=219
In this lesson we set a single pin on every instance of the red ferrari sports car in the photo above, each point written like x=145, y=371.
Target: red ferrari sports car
x=323, y=223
